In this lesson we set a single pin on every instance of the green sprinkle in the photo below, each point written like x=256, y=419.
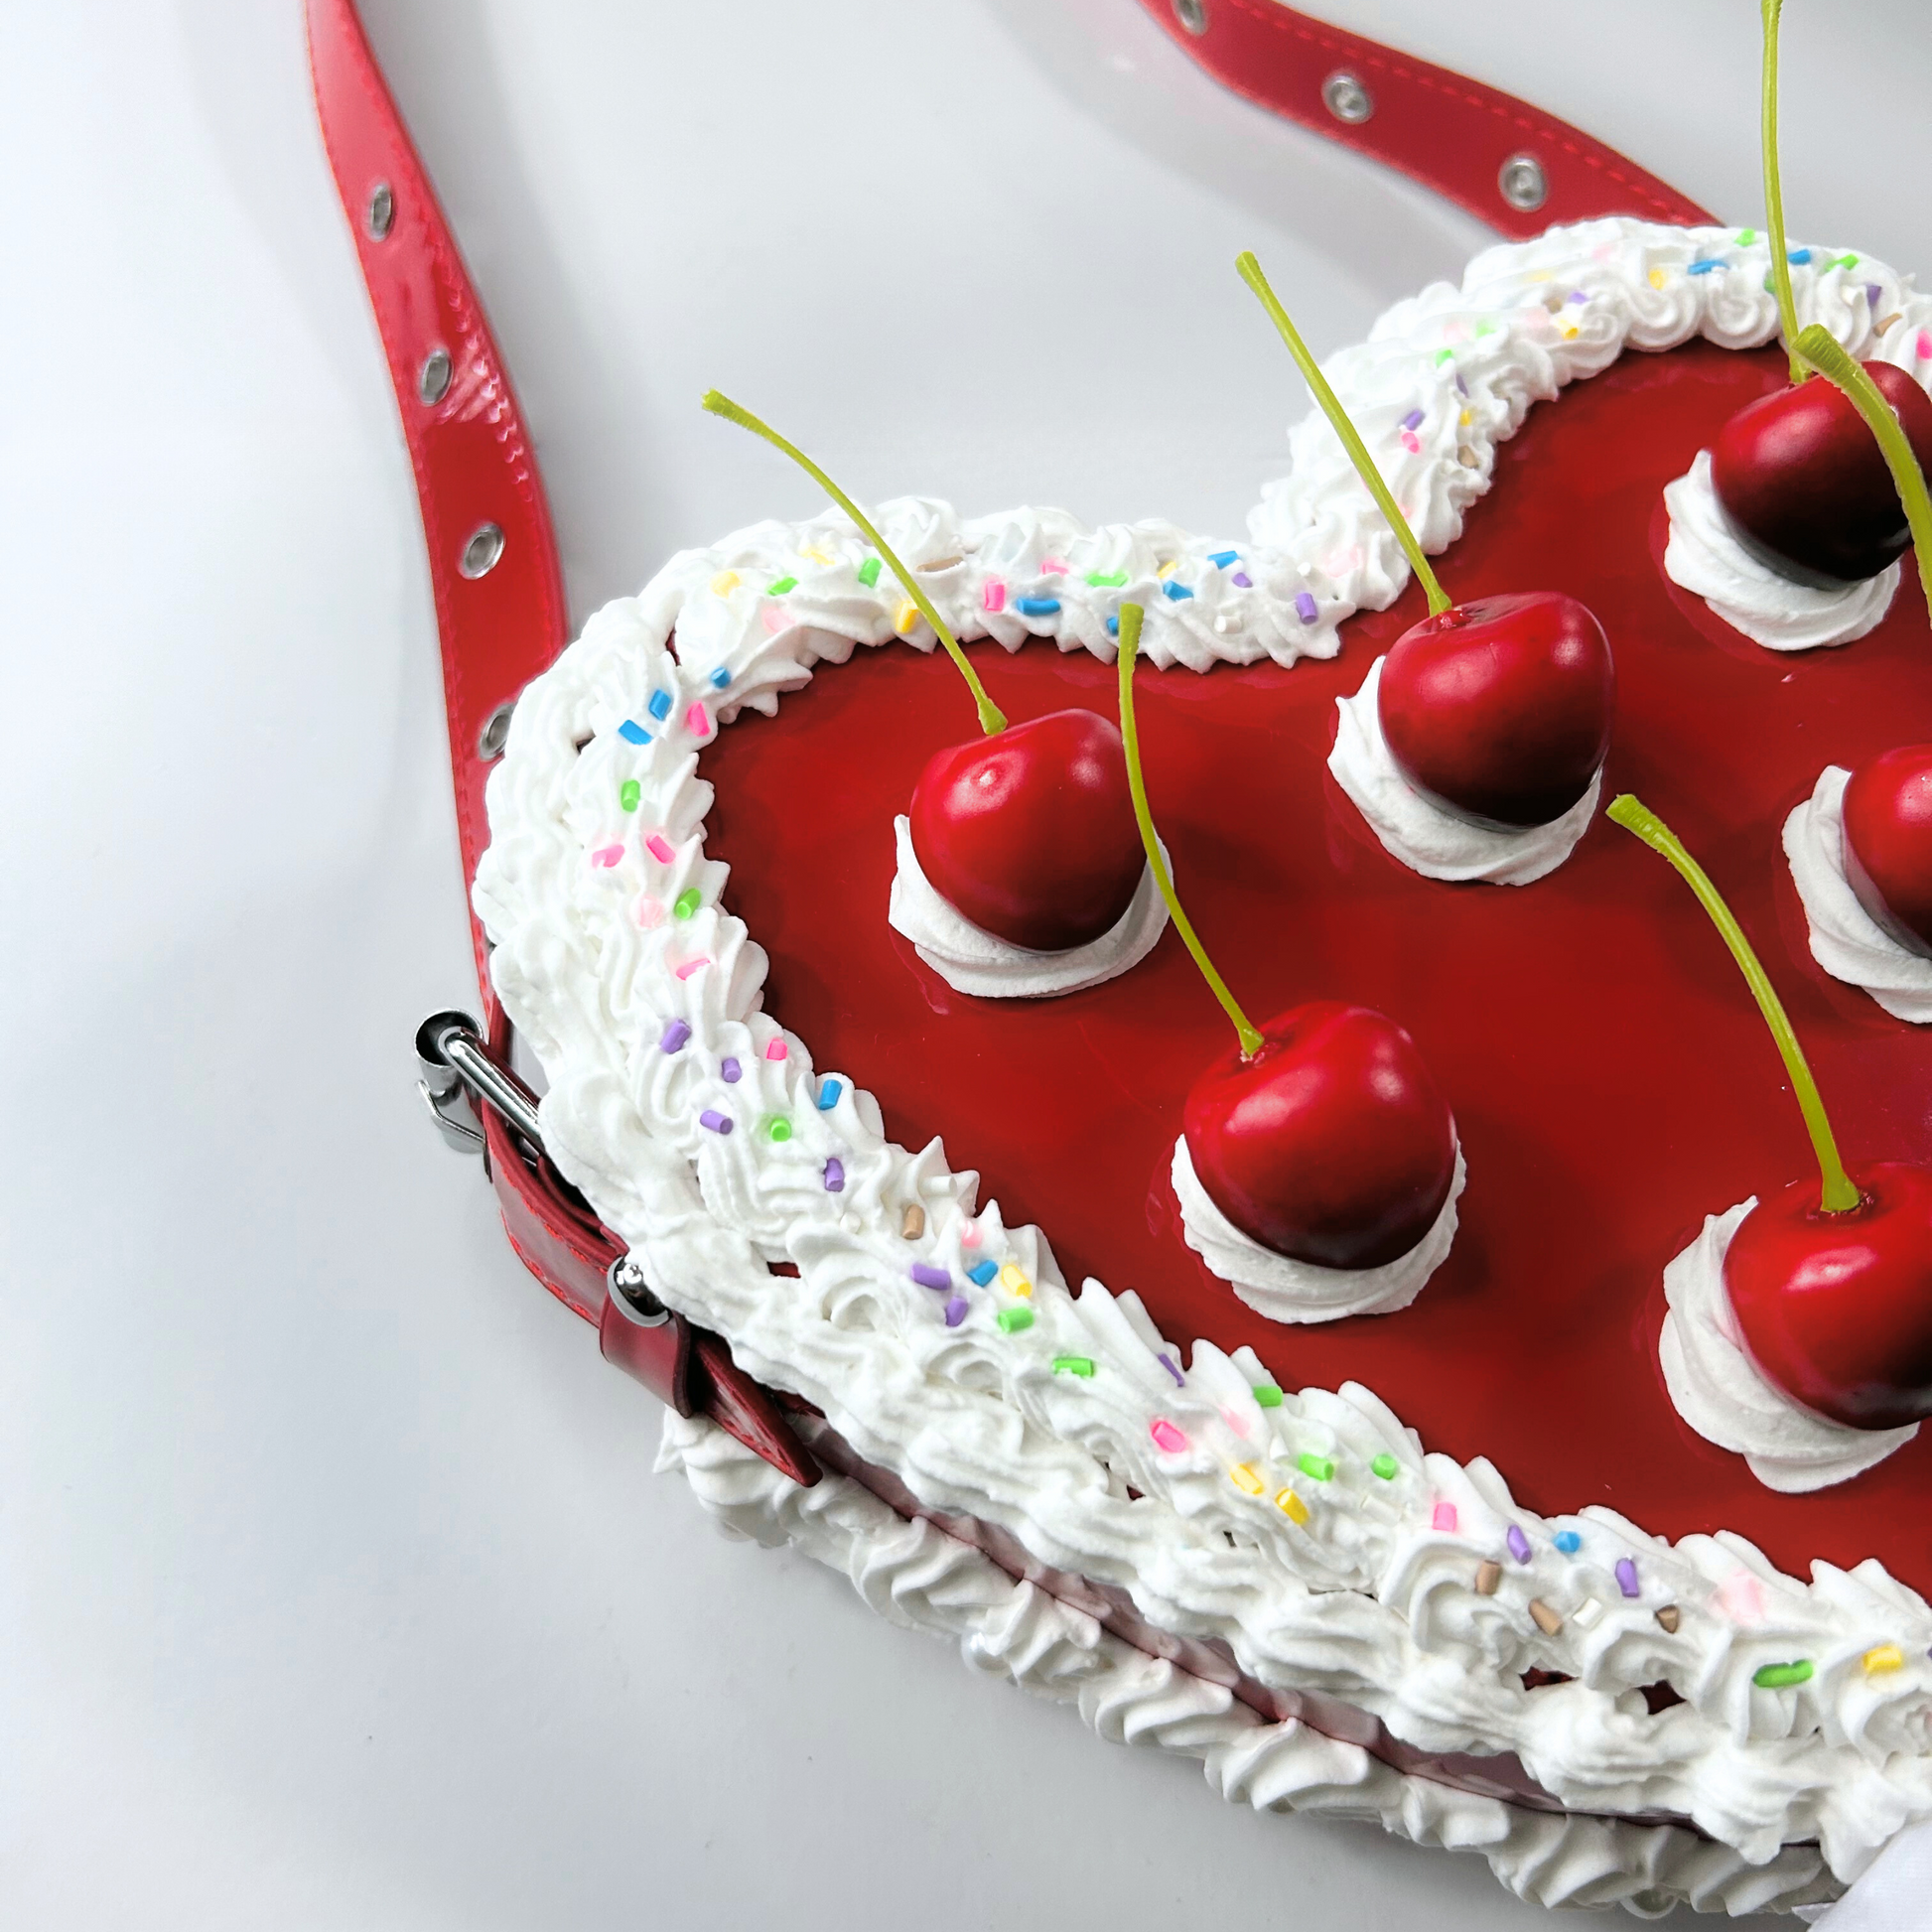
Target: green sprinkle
x=1745, y=237
x=1013, y=1321
x=1106, y=580
x=1485, y=328
x=1268, y=1396
x=1444, y=355
x=868, y=572
x=1069, y=1364
x=1775, y=1677
x=1845, y=261
x=1317, y=1467
x=687, y=902
x=628, y=793
x=779, y=1128
x=1386, y=1467
x=784, y=585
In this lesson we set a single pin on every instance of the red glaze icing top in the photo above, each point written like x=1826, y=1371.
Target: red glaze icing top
x=1610, y=1078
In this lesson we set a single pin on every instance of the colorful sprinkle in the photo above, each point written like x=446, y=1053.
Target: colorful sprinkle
x=689, y=967
x=628, y=793
x=660, y=706
x=717, y=1122
x=928, y=1275
x=1169, y=568
x=659, y=849
x=730, y=1071
x=1106, y=580
x=868, y=572
x=911, y=1223
x=1925, y=343
x=828, y=1095
x=1292, y=1506
x=1247, y=1478
x=1411, y=442
x=724, y=582
x=1266, y=1395
x=1799, y=256
x=1442, y=1517
x=608, y=856
x=720, y=678
x=1051, y=567
x=778, y=1128
x=676, y=1032
x=906, y=616
x=1844, y=261
x=1626, y=1578
x=697, y=722
x=1670, y=1616
x=1444, y=355
x=779, y=586
x=1702, y=267
x=1012, y=1322
x=1073, y=1365
x=1779, y=1677
x=1745, y=237
x=994, y=596
x=982, y=1272
x=1321, y=1468
x=1113, y=627
x=1386, y=1467
x=1656, y=278
x=1167, y=1363
x=1568, y=1541
x=1544, y=1619
x=686, y=902
x=1413, y=420
x=1874, y=295
x=1036, y=606
x=1167, y=1438
x=634, y=734
x=1519, y=1544
x=955, y=1312
x=1579, y=297
x=1014, y=1280
x=1886, y=1657
x=1488, y=1574
x=1587, y=1614
x=1242, y=581
x=814, y=554
x=1742, y=1596
x=648, y=912
x=835, y=1175
x=1176, y=591
x=1220, y=559
x=1462, y=390
x=775, y=1049
x=774, y=620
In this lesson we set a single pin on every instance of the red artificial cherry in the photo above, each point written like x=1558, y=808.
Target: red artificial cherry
x=1029, y=833
x=1836, y=1308
x=1332, y=1144
x=1499, y=710
x=1805, y=486
x=1888, y=843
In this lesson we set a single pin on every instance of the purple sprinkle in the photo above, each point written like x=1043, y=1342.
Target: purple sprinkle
x=731, y=1070
x=1873, y=293
x=1461, y=387
x=929, y=1276
x=1306, y=607
x=717, y=1122
x=1242, y=581
x=1413, y=420
x=955, y=1312
x=675, y=1034
x=1576, y=295
x=1519, y=1544
x=835, y=1175
x=1626, y=1578
x=1167, y=1362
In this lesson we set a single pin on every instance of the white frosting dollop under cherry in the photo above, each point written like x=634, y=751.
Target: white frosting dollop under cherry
x=1846, y=940
x=1422, y=836
x=1285, y=1290
x=1720, y=1392
x=972, y=960
x=1706, y=559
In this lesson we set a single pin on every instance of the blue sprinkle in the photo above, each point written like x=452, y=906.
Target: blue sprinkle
x=1568, y=1541
x=717, y=1122
x=1799, y=256
x=634, y=734
x=1519, y=1544
x=1413, y=420
x=1702, y=267
x=731, y=1070
x=955, y=1312
x=1222, y=558
x=1306, y=607
x=982, y=1272
x=675, y=1036
x=1176, y=591
x=835, y=1175
x=660, y=705
x=1242, y=581
x=1036, y=607
x=1113, y=627
x=928, y=1275
x=720, y=678
x=828, y=1095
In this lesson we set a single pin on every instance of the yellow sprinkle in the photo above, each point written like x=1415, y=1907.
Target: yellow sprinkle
x=1467, y=418
x=1886, y=1657
x=725, y=583
x=1543, y=275
x=906, y=616
x=1169, y=568
x=1570, y=335
x=815, y=555
x=1014, y=1282
x=1292, y=1506
x=1656, y=278
x=1245, y=1476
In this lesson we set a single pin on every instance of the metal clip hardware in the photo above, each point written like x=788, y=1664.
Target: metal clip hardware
x=456, y=1070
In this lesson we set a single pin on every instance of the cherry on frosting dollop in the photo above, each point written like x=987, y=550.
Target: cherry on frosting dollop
x=1029, y=833
x=1330, y=1144
x=1888, y=843
x=1499, y=710
x=1830, y=1277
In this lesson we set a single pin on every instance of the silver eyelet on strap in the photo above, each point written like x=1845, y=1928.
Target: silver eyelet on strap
x=434, y=382
x=495, y=733
x=1522, y=182
x=1193, y=15
x=382, y=211
x=1347, y=99
x=632, y=1295
x=482, y=553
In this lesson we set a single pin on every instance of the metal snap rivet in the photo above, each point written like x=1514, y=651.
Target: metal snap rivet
x=1347, y=99
x=495, y=733
x=626, y=1283
x=481, y=553
x=1193, y=15
x=1522, y=182
x=434, y=382
x=382, y=211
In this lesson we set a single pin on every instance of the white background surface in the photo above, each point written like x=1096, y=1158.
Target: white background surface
x=335, y=1589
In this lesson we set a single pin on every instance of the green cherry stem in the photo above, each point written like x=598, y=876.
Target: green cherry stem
x=1249, y=272
x=1818, y=348
x=1129, y=646
x=1774, y=191
x=1633, y=815
x=992, y=718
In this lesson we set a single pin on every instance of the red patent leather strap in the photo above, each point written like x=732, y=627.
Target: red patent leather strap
x=1439, y=127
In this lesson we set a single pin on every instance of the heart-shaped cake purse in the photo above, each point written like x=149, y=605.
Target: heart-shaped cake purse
x=958, y=1237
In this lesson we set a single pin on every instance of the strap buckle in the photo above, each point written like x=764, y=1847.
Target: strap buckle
x=458, y=1071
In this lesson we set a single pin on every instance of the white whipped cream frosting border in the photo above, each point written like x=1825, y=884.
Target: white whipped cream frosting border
x=1703, y=557
x=972, y=960
x=1844, y=938
x=1373, y=1598
x=1285, y=1290
x=1421, y=835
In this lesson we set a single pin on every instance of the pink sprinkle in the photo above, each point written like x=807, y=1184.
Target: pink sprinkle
x=1742, y=1596
x=1443, y=1518
x=995, y=594
x=1053, y=566
x=1235, y=1423
x=969, y=1235
x=1410, y=443
x=700, y=724
x=689, y=967
x=774, y=619
x=1167, y=1438
x=775, y=1051
x=607, y=855
x=658, y=850
x=1925, y=345
x=648, y=912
